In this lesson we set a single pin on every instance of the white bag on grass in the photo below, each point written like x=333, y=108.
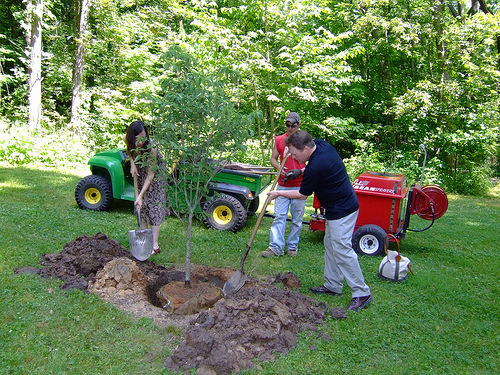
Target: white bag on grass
x=394, y=266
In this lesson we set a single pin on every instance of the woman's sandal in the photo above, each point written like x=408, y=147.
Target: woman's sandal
x=156, y=251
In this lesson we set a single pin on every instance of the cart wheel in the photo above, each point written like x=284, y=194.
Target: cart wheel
x=224, y=212
x=369, y=240
x=94, y=193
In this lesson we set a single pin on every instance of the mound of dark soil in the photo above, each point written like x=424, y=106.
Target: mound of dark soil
x=259, y=321
x=254, y=323
x=81, y=259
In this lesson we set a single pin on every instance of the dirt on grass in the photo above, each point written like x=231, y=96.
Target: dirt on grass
x=223, y=334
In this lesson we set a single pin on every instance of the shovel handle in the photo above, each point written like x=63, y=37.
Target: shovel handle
x=136, y=187
x=137, y=209
x=138, y=215
x=262, y=212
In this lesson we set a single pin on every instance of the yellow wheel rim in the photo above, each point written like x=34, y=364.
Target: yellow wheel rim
x=92, y=195
x=222, y=215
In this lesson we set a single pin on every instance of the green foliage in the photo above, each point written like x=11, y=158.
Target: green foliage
x=287, y=57
x=408, y=163
x=474, y=180
x=251, y=153
x=123, y=64
x=366, y=160
x=413, y=93
x=12, y=58
x=195, y=123
x=19, y=147
x=363, y=75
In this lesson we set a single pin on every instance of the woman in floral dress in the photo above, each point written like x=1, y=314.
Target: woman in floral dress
x=147, y=167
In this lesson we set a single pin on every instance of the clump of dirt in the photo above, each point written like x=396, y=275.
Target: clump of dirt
x=77, y=264
x=119, y=275
x=289, y=279
x=223, y=334
x=175, y=297
x=254, y=323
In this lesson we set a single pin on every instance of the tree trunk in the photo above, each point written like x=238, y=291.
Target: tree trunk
x=189, y=235
x=81, y=27
x=34, y=42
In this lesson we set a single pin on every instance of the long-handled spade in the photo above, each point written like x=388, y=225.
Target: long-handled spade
x=238, y=279
x=141, y=240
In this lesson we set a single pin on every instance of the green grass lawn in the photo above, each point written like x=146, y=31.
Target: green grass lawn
x=443, y=320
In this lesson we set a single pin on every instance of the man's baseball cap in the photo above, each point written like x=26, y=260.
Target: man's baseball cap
x=293, y=117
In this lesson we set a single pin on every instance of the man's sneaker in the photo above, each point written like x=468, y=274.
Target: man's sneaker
x=323, y=289
x=292, y=253
x=268, y=253
x=358, y=303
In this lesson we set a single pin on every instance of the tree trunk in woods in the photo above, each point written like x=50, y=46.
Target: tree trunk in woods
x=34, y=43
x=81, y=27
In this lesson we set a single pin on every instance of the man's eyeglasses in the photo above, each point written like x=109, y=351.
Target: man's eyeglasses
x=293, y=126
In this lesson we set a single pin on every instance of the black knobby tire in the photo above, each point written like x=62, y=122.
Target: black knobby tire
x=369, y=240
x=224, y=212
x=94, y=193
x=253, y=206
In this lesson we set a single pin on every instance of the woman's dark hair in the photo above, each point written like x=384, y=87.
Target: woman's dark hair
x=300, y=139
x=133, y=131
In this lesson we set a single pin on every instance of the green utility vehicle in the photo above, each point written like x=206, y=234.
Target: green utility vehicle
x=233, y=192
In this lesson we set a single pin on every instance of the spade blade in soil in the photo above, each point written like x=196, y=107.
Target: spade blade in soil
x=234, y=283
x=239, y=278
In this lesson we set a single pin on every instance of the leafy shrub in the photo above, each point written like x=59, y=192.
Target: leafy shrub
x=468, y=181
x=18, y=147
x=100, y=134
x=364, y=160
x=253, y=154
x=409, y=163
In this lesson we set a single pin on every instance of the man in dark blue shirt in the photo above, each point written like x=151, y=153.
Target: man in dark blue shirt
x=326, y=176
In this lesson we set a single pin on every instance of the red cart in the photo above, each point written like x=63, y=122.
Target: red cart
x=385, y=207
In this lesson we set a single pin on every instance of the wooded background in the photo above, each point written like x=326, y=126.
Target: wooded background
x=376, y=78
